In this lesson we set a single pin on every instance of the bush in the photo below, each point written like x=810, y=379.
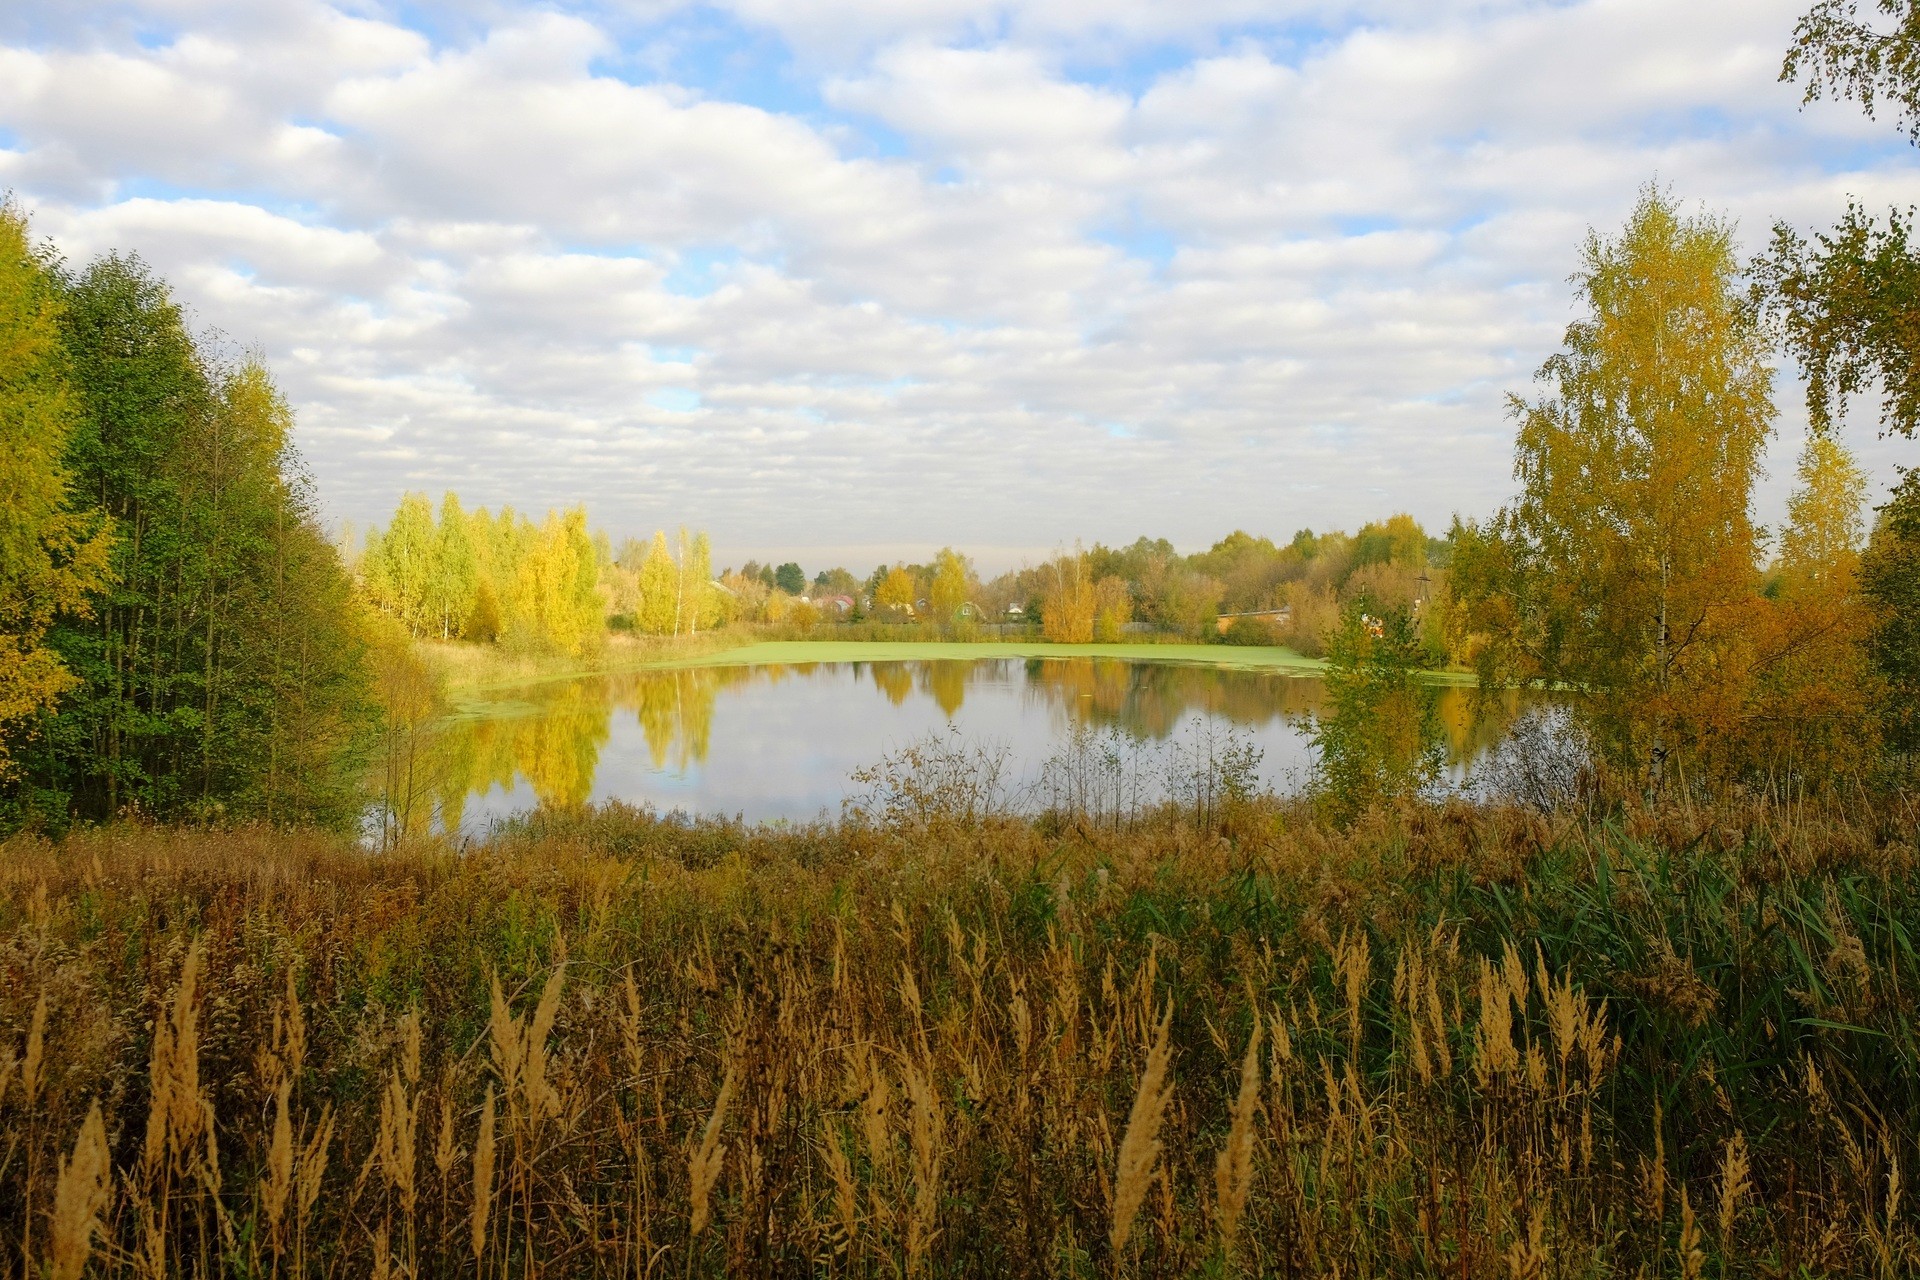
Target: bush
x=1248, y=631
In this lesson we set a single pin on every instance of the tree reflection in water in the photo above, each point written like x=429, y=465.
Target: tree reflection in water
x=551, y=736
x=1153, y=700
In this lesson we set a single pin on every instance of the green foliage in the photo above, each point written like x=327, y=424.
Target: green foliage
x=1847, y=300
x=790, y=578
x=836, y=582
x=404, y=570
x=1846, y=303
x=1380, y=738
x=551, y=588
x=221, y=672
x=1398, y=540
x=453, y=585
x=1841, y=56
x=1890, y=579
x=51, y=556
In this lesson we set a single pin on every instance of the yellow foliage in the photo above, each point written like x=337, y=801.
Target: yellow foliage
x=1112, y=609
x=895, y=593
x=50, y=559
x=1068, y=607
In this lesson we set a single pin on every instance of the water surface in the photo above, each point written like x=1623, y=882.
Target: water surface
x=781, y=742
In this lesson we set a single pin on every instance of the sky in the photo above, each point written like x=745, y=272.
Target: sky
x=849, y=280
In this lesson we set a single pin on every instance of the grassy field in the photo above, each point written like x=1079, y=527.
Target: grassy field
x=1446, y=1042
x=461, y=665
x=1273, y=657
x=469, y=667
x=466, y=667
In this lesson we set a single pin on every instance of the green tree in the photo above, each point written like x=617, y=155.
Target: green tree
x=296, y=711
x=1890, y=579
x=222, y=670
x=124, y=737
x=1380, y=739
x=1624, y=564
x=836, y=582
x=409, y=545
x=51, y=555
x=791, y=579
x=1838, y=54
x=454, y=571
x=659, y=589
x=1847, y=299
x=1397, y=540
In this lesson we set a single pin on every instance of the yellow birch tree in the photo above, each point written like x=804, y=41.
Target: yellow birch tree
x=1068, y=606
x=51, y=558
x=1626, y=564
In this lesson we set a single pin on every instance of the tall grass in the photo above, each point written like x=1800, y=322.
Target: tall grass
x=1446, y=1041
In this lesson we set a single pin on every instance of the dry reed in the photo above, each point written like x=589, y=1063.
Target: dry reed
x=1140, y=1148
x=1467, y=1044
x=78, y=1199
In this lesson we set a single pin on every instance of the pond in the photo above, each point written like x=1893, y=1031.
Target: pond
x=783, y=742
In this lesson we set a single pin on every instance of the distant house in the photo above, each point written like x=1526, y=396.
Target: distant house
x=1279, y=619
x=841, y=605
x=1016, y=611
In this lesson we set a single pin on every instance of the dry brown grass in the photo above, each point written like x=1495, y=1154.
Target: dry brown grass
x=1452, y=1043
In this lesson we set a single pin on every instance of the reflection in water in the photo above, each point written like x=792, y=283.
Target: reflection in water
x=780, y=741
x=1153, y=700
x=894, y=679
x=947, y=682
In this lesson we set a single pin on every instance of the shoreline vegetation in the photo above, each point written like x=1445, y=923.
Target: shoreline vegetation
x=464, y=667
x=932, y=1040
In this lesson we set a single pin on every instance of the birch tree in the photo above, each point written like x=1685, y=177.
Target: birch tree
x=51, y=556
x=1624, y=565
x=659, y=589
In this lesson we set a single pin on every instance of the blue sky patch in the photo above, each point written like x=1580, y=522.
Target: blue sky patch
x=674, y=399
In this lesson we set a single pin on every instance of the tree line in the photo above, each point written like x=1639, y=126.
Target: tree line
x=555, y=587
x=1102, y=593
x=178, y=637
x=560, y=586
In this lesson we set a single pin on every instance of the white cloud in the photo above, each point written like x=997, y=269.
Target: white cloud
x=996, y=274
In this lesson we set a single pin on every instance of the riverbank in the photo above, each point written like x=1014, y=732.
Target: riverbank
x=800, y=652
x=464, y=667
x=468, y=668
